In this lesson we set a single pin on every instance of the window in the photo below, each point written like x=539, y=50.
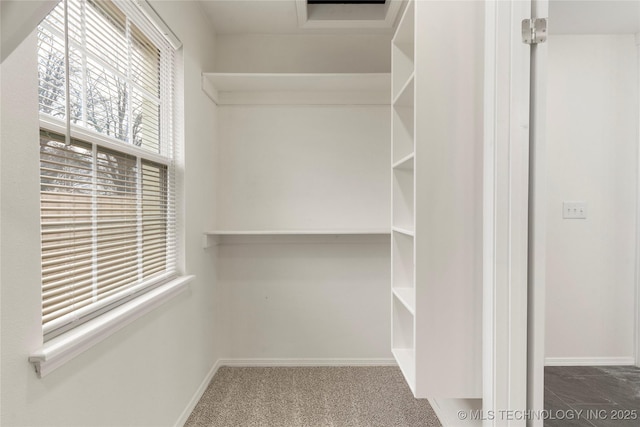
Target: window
x=106, y=160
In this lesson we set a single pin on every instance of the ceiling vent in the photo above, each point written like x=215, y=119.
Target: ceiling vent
x=353, y=14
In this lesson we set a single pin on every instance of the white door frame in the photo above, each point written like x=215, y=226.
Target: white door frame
x=537, y=224
x=513, y=370
x=637, y=278
x=505, y=210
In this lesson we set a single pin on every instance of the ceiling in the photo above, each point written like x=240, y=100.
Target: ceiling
x=252, y=16
x=284, y=17
x=594, y=16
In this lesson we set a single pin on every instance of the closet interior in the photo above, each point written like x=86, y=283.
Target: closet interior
x=348, y=225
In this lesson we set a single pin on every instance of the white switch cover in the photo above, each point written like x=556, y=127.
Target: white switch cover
x=574, y=210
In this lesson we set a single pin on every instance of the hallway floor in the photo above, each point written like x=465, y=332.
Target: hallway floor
x=592, y=396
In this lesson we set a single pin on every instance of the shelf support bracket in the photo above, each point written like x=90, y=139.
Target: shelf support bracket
x=209, y=240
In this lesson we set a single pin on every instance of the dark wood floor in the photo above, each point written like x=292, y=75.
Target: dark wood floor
x=604, y=396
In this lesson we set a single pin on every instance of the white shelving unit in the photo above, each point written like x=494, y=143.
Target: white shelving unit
x=403, y=304
x=301, y=229
x=435, y=308
x=262, y=102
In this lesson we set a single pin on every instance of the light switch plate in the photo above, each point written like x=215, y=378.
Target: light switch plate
x=574, y=210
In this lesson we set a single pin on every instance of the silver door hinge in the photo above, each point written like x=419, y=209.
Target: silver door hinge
x=534, y=30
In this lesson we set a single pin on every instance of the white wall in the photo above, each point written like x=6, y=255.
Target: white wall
x=303, y=53
x=307, y=298
x=20, y=18
x=592, y=156
x=303, y=167
x=146, y=373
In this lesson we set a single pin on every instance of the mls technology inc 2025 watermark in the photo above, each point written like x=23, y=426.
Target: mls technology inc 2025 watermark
x=570, y=414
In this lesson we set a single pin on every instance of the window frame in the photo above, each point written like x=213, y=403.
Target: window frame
x=165, y=156
x=137, y=288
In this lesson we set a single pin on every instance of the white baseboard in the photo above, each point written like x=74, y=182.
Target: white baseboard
x=589, y=361
x=457, y=412
x=307, y=362
x=197, y=395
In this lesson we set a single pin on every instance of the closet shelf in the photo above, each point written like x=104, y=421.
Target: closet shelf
x=404, y=98
x=353, y=232
x=215, y=237
x=297, y=88
x=404, y=163
x=404, y=231
x=405, y=33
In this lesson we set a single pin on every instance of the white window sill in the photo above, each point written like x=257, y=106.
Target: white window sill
x=65, y=347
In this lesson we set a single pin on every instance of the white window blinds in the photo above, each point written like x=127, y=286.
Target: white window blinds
x=108, y=193
x=115, y=72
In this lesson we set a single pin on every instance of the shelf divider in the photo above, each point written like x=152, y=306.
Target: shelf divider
x=406, y=296
x=406, y=361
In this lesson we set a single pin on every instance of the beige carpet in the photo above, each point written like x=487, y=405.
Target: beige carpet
x=310, y=396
